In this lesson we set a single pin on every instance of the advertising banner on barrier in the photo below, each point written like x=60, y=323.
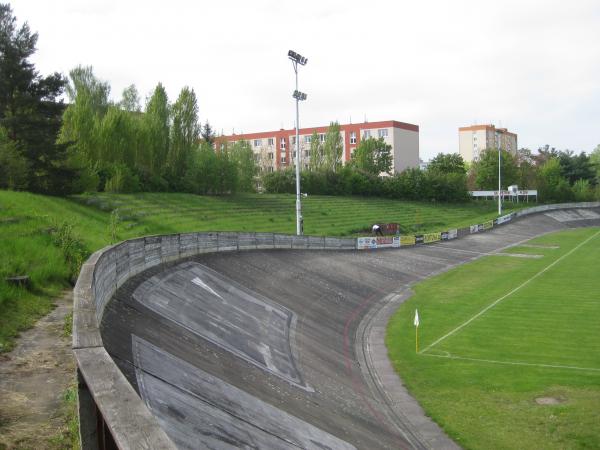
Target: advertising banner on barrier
x=419, y=239
x=431, y=237
x=488, y=225
x=503, y=219
x=364, y=243
x=407, y=240
x=474, y=228
x=452, y=234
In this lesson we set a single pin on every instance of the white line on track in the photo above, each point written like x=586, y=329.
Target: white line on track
x=490, y=306
x=513, y=363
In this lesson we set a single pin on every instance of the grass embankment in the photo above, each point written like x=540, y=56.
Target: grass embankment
x=485, y=382
x=38, y=233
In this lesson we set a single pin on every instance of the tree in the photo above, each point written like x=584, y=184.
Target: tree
x=207, y=133
x=552, y=186
x=184, y=135
x=317, y=158
x=130, y=100
x=527, y=171
x=332, y=148
x=595, y=162
x=30, y=111
x=14, y=170
x=156, y=122
x=373, y=156
x=486, y=169
x=89, y=103
x=575, y=167
x=243, y=158
x=447, y=163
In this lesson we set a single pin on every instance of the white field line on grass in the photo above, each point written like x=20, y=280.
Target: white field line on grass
x=514, y=363
x=490, y=306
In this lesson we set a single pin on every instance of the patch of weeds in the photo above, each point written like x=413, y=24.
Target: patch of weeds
x=72, y=247
x=68, y=325
x=113, y=224
x=68, y=435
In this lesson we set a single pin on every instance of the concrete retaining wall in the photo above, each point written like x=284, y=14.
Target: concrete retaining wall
x=111, y=412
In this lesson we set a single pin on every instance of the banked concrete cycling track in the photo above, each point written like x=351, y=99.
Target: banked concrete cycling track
x=284, y=348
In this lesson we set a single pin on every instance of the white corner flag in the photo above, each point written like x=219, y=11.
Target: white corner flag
x=416, y=331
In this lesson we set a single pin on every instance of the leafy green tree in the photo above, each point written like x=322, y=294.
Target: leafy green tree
x=130, y=99
x=447, y=163
x=247, y=169
x=157, y=128
x=576, y=167
x=185, y=132
x=373, y=156
x=14, y=170
x=595, y=162
x=527, y=171
x=89, y=103
x=317, y=158
x=486, y=170
x=552, y=186
x=332, y=148
x=30, y=111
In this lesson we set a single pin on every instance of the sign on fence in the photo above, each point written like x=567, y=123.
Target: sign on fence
x=364, y=243
x=503, y=219
x=431, y=237
x=407, y=240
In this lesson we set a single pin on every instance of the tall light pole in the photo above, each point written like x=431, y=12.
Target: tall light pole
x=298, y=59
x=499, y=184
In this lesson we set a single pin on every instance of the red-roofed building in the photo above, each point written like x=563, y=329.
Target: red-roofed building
x=278, y=147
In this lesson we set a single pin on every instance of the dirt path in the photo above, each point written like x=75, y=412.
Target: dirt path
x=33, y=380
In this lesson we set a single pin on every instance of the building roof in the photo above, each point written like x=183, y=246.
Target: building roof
x=323, y=129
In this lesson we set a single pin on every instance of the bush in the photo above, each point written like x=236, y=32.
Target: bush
x=123, y=180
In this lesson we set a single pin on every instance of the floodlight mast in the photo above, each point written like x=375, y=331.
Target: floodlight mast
x=499, y=183
x=298, y=59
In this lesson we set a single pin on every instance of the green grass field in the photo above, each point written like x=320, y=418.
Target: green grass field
x=481, y=371
x=28, y=225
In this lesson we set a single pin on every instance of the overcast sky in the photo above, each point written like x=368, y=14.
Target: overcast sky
x=530, y=66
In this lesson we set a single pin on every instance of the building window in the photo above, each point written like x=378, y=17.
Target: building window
x=270, y=141
x=257, y=142
x=222, y=146
x=294, y=155
x=322, y=137
x=382, y=133
x=270, y=169
x=306, y=153
x=271, y=155
x=366, y=134
x=283, y=159
x=293, y=139
x=282, y=143
x=353, y=137
x=307, y=139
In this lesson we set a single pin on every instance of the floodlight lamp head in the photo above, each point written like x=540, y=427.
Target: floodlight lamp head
x=297, y=58
x=299, y=95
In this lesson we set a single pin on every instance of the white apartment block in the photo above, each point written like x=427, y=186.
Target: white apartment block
x=476, y=138
x=277, y=149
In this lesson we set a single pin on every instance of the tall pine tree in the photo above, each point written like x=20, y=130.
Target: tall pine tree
x=30, y=112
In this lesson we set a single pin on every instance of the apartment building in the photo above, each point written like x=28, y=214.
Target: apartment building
x=476, y=138
x=276, y=150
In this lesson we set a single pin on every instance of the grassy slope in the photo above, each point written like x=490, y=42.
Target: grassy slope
x=552, y=320
x=26, y=220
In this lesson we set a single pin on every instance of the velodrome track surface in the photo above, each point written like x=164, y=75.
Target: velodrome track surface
x=265, y=349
